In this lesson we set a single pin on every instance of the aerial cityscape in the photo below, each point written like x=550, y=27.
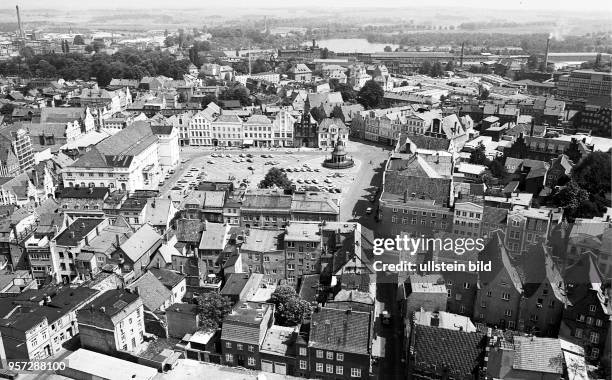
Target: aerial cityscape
x=287, y=190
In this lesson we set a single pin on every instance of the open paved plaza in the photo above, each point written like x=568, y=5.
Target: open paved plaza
x=303, y=167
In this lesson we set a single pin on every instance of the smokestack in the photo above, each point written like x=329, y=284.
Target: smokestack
x=546, y=56
x=532, y=126
x=21, y=34
x=461, y=59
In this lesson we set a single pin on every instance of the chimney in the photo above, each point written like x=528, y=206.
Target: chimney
x=532, y=127
x=405, y=196
x=461, y=59
x=546, y=54
x=21, y=34
x=117, y=242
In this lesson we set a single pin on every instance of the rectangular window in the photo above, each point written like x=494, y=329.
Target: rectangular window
x=505, y=296
x=239, y=346
x=329, y=368
x=594, y=337
x=330, y=355
x=302, y=351
x=319, y=367
x=229, y=358
x=302, y=364
x=339, y=357
x=319, y=354
x=251, y=361
x=355, y=372
x=228, y=344
x=339, y=370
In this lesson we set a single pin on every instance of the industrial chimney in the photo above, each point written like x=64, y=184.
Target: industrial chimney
x=546, y=55
x=21, y=34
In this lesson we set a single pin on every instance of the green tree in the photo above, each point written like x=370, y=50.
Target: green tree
x=388, y=48
x=483, y=93
x=592, y=173
x=573, y=151
x=324, y=53
x=212, y=308
x=436, y=70
x=275, y=177
x=478, y=156
x=206, y=100
x=78, y=40
x=371, y=95
x=425, y=68
x=169, y=41
x=337, y=113
x=237, y=92
x=498, y=169
x=7, y=109
x=570, y=197
x=290, y=309
x=318, y=113
x=348, y=93
x=450, y=66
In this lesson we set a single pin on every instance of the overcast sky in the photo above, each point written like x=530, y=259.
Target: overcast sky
x=582, y=5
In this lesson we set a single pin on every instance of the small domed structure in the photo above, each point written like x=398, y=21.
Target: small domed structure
x=339, y=159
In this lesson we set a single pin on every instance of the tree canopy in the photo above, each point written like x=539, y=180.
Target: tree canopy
x=371, y=95
x=236, y=92
x=290, y=309
x=125, y=63
x=212, y=308
x=478, y=156
x=275, y=177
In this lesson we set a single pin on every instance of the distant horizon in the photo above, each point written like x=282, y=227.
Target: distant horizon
x=587, y=6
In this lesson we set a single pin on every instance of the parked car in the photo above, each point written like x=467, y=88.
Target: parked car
x=161, y=183
x=249, y=160
x=242, y=155
x=337, y=190
x=210, y=162
x=250, y=168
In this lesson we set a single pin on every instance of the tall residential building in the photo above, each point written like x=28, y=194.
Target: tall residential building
x=113, y=322
x=18, y=141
